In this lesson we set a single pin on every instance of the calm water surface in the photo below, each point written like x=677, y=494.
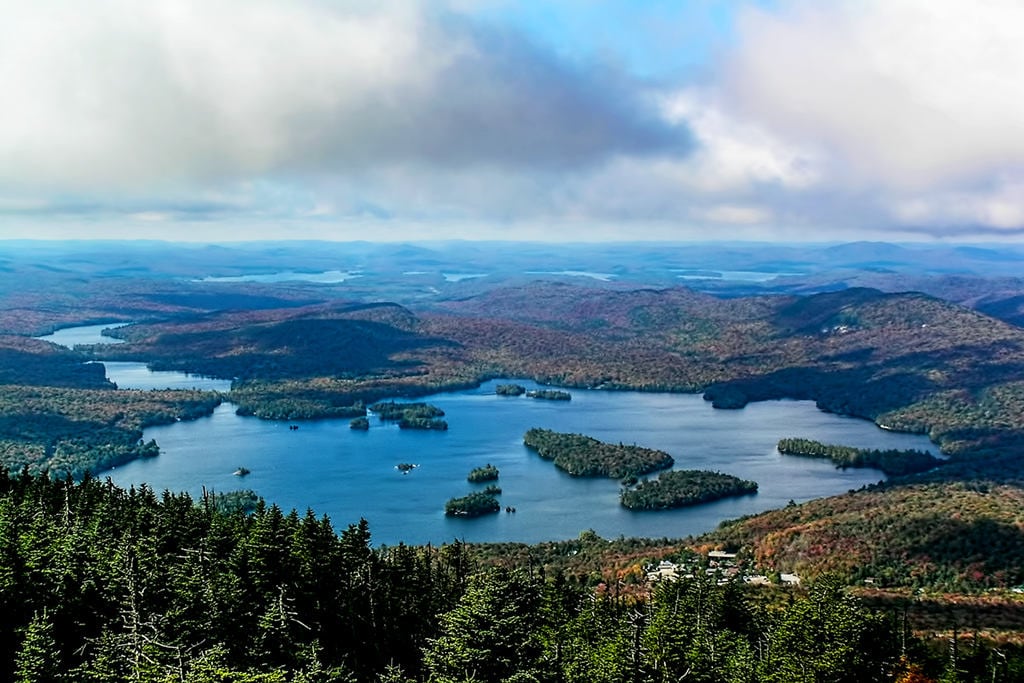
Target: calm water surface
x=83, y=334
x=348, y=474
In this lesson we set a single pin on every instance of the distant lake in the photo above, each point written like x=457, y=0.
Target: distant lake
x=133, y=375
x=83, y=334
x=733, y=275
x=459, y=277
x=326, y=277
x=346, y=474
x=603, y=277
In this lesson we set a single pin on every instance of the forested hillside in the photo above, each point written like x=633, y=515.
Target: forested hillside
x=103, y=584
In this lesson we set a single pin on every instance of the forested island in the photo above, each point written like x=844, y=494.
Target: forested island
x=584, y=456
x=359, y=423
x=549, y=395
x=393, y=411
x=411, y=415
x=510, y=390
x=893, y=462
x=472, y=505
x=481, y=474
x=679, y=488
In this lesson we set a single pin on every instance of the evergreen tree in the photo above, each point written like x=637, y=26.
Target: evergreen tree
x=38, y=658
x=491, y=634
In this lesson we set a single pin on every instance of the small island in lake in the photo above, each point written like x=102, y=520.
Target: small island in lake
x=550, y=395
x=510, y=390
x=473, y=505
x=411, y=415
x=492, y=490
x=359, y=423
x=680, y=488
x=241, y=472
x=893, y=462
x=584, y=456
x=481, y=474
x=422, y=423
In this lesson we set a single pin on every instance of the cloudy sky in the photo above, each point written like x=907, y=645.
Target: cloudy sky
x=495, y=119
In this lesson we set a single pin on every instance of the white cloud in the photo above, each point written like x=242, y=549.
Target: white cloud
x=167, y=93
x=844, y=118
x=735, y=154
x=1000, y=207
x=733, y=213
x=906, y=93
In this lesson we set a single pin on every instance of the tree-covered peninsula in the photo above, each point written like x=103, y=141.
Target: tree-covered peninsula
x=679, y=488
x=891, y=461
x=584, y=456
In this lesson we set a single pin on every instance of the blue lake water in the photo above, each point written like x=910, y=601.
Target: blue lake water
x=83, y=334
x=132, y=375
x=349, y=474
x=129, y=374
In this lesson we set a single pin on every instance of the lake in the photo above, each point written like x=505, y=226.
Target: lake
x=349, y=474
x=129, y=374
x=83, y=334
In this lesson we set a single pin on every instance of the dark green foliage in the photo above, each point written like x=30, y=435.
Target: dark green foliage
x=283, y=349
x=74, y=431
x=33, y=362
x=491, y=635
x=492, y=490
x=390, y=410
x=359, y=424
x=99, y=583
x=425, y=423
x=697, y=630
x=38, y=658
x=828, y=636
x=106, y=584
x=584, y=456
x=236, y=501
x=253, y=399
x=550, y=395
x=472, y=505
x=411, y=415
x=510, y=390
x=481, y=474
x=679, y=488
x=893, y=462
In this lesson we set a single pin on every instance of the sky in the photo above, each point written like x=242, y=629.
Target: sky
x=576, y=120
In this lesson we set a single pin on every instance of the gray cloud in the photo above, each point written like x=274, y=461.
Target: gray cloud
x=127, y=94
